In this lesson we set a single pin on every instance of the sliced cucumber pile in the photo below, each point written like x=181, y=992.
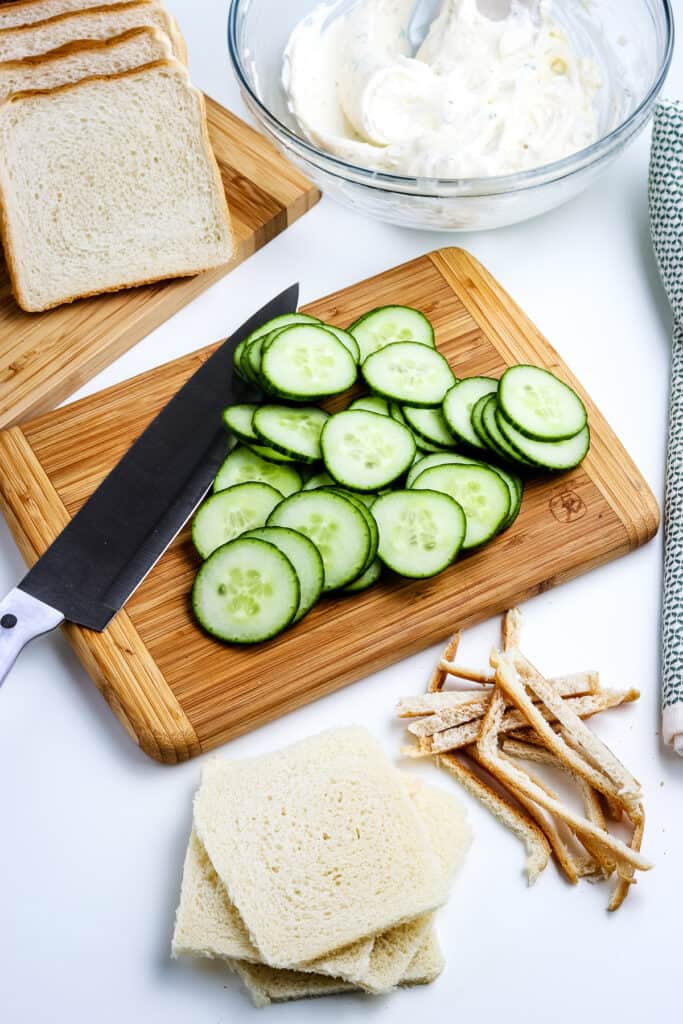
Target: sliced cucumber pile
x=404, y=478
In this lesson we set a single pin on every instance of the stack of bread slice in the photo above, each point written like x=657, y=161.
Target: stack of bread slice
x=107, y=176
x=317, y=870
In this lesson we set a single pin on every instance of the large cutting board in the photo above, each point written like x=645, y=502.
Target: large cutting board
x=179, y=692
x=45, y=357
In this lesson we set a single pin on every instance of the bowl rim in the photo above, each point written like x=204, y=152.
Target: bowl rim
x=489, y=186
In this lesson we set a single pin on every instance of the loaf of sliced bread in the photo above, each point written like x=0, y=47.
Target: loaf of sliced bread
x=26, y=12
x=84, y=59
x=109, y=183
x=318, y=845
x=96, y=23
x=208, y=924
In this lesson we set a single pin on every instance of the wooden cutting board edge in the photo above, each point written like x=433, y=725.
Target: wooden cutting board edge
x=117, y=659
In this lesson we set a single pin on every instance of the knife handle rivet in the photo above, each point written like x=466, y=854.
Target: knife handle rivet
x=8, y=621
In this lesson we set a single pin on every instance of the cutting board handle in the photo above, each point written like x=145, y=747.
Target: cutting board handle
x=22, y=618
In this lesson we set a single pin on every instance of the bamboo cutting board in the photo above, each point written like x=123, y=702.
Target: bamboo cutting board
x=45, y=357
x=177, y=691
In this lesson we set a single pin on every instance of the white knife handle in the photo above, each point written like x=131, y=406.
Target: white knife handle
x=22, y=618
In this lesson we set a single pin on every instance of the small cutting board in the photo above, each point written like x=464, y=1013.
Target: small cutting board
x=45, y=357
x=179, y=692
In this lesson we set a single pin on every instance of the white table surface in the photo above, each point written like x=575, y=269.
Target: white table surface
x=92, y=833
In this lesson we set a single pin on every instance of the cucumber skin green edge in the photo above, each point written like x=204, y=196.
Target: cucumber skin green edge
x=535, y=464
x=518, y=426
x=241, y=643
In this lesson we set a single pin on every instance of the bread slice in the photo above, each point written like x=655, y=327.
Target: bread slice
x=96, y=23
x=268, y=985
x=26, y=12
x=109, y=183
x=208, y=924
x=83, y=59
x=318, y=845
x=450, y=837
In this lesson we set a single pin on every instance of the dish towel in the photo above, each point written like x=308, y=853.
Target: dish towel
x=666, y=221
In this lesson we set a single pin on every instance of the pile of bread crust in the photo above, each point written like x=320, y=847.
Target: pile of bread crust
x=486, y=736
x=107, y=176
x=317, y=870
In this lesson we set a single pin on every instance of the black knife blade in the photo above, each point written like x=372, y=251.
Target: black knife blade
x=99, y=559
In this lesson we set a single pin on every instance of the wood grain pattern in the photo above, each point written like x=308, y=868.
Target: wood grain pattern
x=568, y=524
x=45, y=357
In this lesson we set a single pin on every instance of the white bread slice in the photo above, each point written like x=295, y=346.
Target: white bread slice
x=451, y=837
x=426, y=965
x=26, y=12
x=208, y=924
x=109, y=183
x=317, y=845
x=268, y=985
x=97, y=23
x=83, y=59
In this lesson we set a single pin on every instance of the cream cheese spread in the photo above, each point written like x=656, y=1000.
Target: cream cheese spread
x=480, y=96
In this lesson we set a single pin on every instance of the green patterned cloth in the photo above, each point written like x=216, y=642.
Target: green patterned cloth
x=666, y=219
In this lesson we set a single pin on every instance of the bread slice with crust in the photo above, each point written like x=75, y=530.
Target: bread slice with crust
x=84, y=58
x=109, y=183
x=26, y=12
x=101, y=22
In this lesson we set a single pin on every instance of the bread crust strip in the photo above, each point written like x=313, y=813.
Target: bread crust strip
x=578, y=684
x=514, y=688
x=516, y=779
x=535, y=842
x=592, y=747
x=563, y=855
x=596, y=864
x=462, y=735
x=438, y=678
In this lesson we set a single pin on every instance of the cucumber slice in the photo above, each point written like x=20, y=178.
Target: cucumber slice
x=294, y=432
x=337, y=528
x=438, y=459
x=265, y=452
x=429, y=425
x=278, y=322
x=478, y=426
x=307, y=361
x=364, y=451
x=409, y=373
x=246, y=592
x=482, y=494
x=304, y=556
x=347, y=340
x=496, y=439
x=252, y=358
x=539, y=405
x=372, y=403
x=243, y=466
x=554, y=455
x=319, y=480
x=516, y=489
x=229, y=513
x=238, y=420
x=459, y=403
x=389, y=324
x=396, y=413
x=369, y=577
x=420, y=532
x=364, y=509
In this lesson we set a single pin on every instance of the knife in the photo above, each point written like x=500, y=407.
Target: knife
x=98, y=560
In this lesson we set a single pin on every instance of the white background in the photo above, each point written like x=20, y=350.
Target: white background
x=92, y=833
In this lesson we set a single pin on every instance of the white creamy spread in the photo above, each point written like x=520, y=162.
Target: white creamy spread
x=481, y=96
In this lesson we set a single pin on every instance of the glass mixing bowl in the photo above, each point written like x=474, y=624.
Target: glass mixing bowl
x=630, y=40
